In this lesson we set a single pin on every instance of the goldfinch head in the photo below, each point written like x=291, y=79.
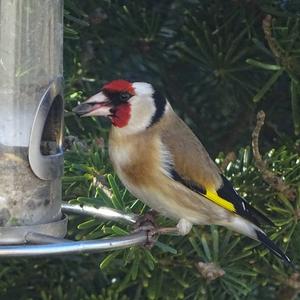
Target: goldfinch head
x=132, y=107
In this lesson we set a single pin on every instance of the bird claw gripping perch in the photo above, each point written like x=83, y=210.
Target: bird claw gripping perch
x=146, y=223
x=153, y=233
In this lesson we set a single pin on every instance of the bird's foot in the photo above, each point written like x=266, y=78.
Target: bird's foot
x=153, y=234
x=146, y=223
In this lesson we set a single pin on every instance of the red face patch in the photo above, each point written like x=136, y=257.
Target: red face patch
x=121, y=115
x=119, y=86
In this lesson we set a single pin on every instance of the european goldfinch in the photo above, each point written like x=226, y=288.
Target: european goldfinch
x=161, y=162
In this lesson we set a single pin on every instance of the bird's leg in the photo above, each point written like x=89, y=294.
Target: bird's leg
x=183, y=227
x=146, y=222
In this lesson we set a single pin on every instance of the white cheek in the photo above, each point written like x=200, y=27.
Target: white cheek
x=142, y=111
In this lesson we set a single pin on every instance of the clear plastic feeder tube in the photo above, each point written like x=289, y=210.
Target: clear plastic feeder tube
x=31, y=39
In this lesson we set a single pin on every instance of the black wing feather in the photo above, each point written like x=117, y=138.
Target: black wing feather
x=228, y=193
x=188, y=183
x=243, y=208
x=272, y=247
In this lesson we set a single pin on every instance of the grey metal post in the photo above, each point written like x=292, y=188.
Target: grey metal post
x=31, y=118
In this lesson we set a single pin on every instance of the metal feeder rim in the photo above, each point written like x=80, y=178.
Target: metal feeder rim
x=17, y=234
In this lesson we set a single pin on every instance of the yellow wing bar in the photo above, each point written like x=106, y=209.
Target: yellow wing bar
x=213, y=196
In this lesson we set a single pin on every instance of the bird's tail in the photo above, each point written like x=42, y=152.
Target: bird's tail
x=249, y=229
x=262, y=237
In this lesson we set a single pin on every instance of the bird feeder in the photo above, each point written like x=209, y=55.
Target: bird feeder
x=31, y=119
x=31, y=134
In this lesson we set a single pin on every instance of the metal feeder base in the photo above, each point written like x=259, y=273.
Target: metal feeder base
x=15, y=235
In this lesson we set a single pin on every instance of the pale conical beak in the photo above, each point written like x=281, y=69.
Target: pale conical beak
x=97, y=105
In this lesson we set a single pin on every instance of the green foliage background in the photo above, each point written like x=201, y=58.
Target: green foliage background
x=213, y=62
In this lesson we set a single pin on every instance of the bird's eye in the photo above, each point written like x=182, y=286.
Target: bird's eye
x=124, y=96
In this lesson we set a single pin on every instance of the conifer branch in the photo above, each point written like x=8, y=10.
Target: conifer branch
x=269, y=177
x=230, y=157
x=277, y=51
x=282, y=56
